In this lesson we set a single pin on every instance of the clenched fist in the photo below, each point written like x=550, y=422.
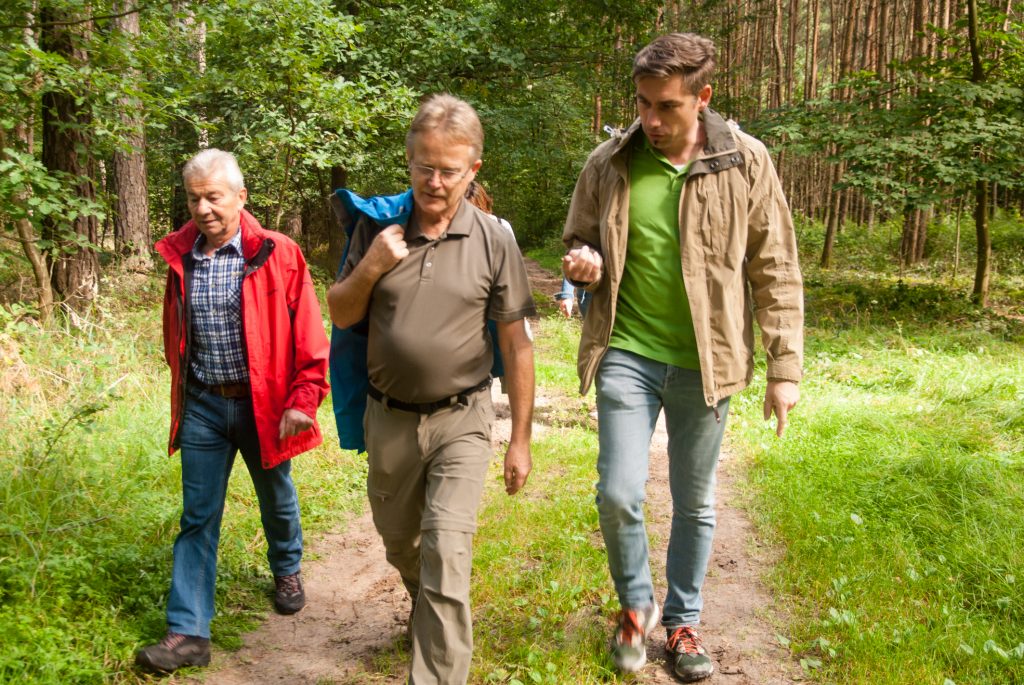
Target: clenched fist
x=582, y=264
x=387, y=249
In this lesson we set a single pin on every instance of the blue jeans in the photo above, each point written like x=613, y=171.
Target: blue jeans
x=213, y=430
x=631, y=392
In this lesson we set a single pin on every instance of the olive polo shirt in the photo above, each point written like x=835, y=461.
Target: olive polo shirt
x=428, y=335
x=653, y=316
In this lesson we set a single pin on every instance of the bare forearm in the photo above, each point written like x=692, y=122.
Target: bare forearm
x=519, y=381
x=349, y=300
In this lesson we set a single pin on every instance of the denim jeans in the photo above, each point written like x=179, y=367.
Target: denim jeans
x=631, y=392
x=213, y=430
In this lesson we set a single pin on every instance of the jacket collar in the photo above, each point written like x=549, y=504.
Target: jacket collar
x=175, y=245
x=720, y=141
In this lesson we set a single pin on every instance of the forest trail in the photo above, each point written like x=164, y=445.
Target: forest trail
x=357, y=606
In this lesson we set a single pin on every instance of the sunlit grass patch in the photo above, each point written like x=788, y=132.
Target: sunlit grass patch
x=897, y=497
x=541, y=585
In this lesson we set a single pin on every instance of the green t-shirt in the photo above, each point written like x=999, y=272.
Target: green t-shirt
x=653, y=315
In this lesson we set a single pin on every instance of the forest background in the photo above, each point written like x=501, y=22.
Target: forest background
x=898, y=130
x=878, y=111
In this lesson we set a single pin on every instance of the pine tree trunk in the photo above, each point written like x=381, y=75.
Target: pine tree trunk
x=74, y=267
x=982, y=273
x=131, y=216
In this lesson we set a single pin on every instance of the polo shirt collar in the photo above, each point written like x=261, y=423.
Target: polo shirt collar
x=670, y=168
x=460, y=225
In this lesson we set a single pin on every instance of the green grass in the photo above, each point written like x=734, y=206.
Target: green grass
x=91, y=502
x=897, y=494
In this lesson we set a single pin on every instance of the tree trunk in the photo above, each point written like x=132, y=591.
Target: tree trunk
x=74, y=267
x=24, y=142
x=131, y=216
x=814, y=16
x=779, y=76
x=981, y=228
x=336, y=232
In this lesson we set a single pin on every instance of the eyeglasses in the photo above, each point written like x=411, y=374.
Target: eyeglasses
x=448, y=176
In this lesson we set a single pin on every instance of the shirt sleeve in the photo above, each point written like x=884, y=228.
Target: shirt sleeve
x=511, y=298
x=361, y=238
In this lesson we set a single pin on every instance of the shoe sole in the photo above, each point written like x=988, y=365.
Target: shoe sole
x=695, y=678
x=641, y=661
x=149, y=666
x=288, y=611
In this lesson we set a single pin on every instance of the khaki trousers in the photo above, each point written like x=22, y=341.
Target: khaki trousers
x=425, y=480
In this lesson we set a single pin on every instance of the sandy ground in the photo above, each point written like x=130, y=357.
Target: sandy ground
x=357, y=605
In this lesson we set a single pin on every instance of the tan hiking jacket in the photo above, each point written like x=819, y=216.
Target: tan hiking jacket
x=738, y=248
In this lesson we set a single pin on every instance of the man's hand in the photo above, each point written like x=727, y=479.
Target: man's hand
x=387, y=249
x=518, y=465
x=780, y=397
x=565, y=306
x=294, y=422
x=582, y=264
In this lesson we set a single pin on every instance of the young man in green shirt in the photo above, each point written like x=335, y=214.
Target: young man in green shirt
x=679, y=229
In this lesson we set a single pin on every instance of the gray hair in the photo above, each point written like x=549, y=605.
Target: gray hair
x=687, y=54
x=454, y=117
x=206, y=163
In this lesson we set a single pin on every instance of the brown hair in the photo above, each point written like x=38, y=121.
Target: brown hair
x=454, y=117
x=477, y=196
x=687, y=54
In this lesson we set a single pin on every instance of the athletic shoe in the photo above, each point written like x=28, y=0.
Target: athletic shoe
x=629, y=643
x=690, y=660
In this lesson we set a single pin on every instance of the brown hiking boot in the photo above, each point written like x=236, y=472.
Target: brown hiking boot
x=174, y=652
x=289, y=597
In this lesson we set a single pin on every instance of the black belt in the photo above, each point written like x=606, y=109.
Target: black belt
x=229, y=390
x=428, y=407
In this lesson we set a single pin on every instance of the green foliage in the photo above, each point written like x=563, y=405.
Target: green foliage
x=926, y=136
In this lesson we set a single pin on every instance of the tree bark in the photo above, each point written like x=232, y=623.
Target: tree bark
x=982, y=272
x=74, y=267
x=336, y=232
x=131, y=216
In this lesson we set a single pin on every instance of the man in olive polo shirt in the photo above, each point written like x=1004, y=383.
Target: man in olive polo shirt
x=428, y=290
x=679, y=228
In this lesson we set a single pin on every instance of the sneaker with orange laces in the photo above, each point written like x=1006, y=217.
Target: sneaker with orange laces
x=629, y=643
x=690, y=660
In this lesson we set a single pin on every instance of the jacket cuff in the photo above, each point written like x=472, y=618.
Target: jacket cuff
x=785, y=372
x=303, y=398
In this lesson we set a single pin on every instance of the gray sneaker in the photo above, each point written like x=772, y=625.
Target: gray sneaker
x=629, y=643
x=690, y=661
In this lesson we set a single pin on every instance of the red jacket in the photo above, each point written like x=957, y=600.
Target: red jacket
x=282, y=327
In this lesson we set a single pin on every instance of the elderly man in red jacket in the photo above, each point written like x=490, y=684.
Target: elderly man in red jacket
x=247, y=349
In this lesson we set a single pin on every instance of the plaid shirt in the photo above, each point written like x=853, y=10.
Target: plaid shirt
x=218, y=350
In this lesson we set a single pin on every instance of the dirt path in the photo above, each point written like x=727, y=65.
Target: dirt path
x=357, y=605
